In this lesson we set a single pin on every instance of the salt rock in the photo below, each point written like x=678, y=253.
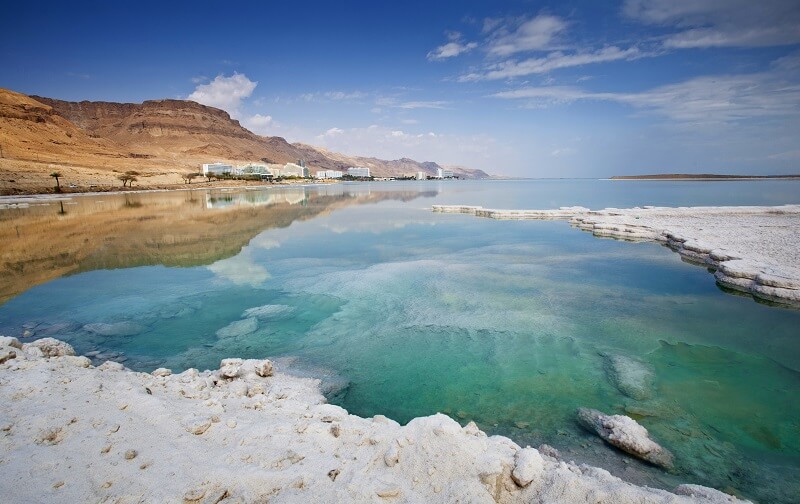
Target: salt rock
x=196, y=425
x=33, y=352
x=229, y=368
x=7, y=355
x=264, y=368
x=77, y=360
x=110, y=366
x=528, y=466
x=392, y=455
x=627, y=435
x=116, y=329
x=472, y=429
x=238, y=388
x=389, y=491
x=238, y=328
x=546, y=449
x=162, y=372
x=10, y=342
x=709, y=495
x=50, y=347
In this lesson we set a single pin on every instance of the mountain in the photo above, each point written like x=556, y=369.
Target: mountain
x=91, y=142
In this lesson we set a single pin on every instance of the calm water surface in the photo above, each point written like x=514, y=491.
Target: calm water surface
x=405, y=312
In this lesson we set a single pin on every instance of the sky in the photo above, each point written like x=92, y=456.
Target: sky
x=514, y=87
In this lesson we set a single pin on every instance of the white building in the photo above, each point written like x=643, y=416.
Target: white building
x=443, y=174
x=329, y=174
x=422, y=175
x=217, y=168
x=294, y=170
x=253, y=169
x=358, y=172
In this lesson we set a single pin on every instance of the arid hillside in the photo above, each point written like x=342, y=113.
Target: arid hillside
x=92, y=143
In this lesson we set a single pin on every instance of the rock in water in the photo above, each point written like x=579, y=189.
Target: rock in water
x=238, y=328
x=627, y=435
x=115, y=329
x=632, y=377
x=269, y=311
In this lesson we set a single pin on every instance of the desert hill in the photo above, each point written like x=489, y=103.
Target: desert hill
x=92, y=142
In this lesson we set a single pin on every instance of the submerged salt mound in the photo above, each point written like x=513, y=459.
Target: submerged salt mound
x=627, y=435
x=126, y=328
x=631, y=376
x=238, y=328
x=76, y=433
x=269, y=312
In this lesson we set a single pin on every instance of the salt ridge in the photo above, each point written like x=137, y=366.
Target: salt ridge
x=752, y=249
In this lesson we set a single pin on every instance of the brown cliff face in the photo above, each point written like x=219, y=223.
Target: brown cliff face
x=34, y=130
x=161, y=128
x=91, y=143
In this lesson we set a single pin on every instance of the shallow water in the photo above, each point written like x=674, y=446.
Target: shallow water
x=512, y=324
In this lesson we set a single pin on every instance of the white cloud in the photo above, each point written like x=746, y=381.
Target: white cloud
x=537, y=34
x=409, y=121
x=423, y=105
x=225, y=93
x=261, y=124
x=451, y=50
x=702, y=100
x=553, y=61
x=331, y=133
x=323, y=96
x=721, y=23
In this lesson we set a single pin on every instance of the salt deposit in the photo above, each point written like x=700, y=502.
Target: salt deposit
x=71, y=432
x=752, y=249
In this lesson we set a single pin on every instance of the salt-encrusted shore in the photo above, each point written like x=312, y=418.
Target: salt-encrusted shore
x=71, y=432
x=751, y=249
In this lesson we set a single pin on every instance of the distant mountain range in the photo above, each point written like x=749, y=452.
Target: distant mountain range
x=170, y=136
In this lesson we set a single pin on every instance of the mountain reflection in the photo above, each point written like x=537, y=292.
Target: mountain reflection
x=45, y=240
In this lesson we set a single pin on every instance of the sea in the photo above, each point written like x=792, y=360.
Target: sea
x=404, y=312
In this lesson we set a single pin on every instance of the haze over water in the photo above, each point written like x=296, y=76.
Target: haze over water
x=405, y=312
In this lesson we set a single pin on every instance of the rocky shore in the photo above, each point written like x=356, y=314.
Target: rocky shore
x=72, y=432
x=755, y=250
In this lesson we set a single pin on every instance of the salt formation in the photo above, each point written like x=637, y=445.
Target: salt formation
x=752, y=249
x=627, y=435
x=71, y=432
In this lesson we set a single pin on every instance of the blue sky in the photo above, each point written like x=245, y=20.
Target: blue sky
x=518, y=88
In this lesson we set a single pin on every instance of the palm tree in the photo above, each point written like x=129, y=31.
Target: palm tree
x=55, y=175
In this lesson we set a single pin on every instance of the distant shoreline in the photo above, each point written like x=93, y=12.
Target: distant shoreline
x=703, y=176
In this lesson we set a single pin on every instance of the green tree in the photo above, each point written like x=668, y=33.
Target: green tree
x=128, y=178
x=55, y=175
x=188, y=177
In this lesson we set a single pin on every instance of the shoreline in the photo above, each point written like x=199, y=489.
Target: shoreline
x=9, y=200
x=73, y=432
x=753, y=250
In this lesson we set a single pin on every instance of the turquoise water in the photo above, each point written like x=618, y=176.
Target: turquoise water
x=507, y=323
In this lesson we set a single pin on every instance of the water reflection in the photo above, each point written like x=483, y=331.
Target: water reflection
x=48, y=239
